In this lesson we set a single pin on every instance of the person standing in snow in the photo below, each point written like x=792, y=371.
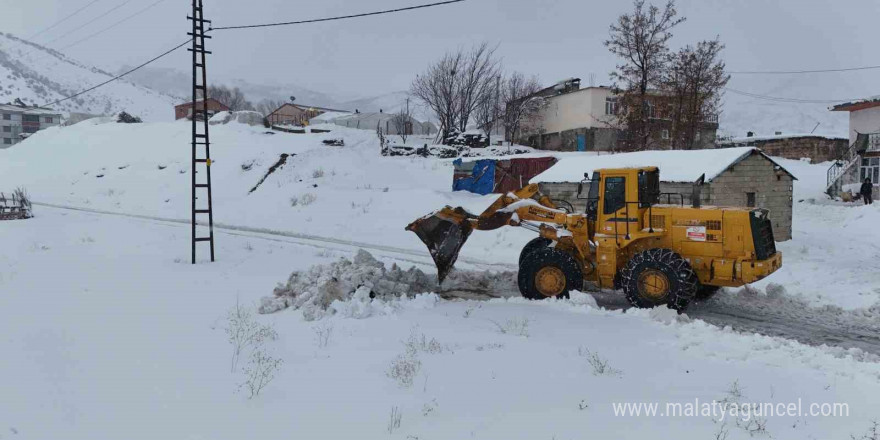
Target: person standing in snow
x=867, y=191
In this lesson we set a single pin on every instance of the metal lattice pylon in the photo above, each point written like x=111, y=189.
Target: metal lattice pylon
x=201, y=145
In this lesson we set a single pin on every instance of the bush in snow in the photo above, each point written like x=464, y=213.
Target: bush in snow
x=872, y=434
x=514, y=326
x=125, y=118
x=394, y=420
x=245, y=333
x=599, y=365
x=404, y=369
x=259, y=371
x=318, y=173
x=303, y=200
x=322, y=334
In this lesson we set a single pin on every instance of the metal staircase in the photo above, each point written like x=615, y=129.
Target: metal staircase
x=843, y=163
x=201, y=145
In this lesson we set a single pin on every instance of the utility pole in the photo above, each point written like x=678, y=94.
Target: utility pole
x=200, y=139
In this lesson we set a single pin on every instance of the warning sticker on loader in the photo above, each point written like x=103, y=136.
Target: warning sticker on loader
x=696, y=233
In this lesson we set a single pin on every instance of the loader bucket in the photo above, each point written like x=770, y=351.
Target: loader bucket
x=444, y=232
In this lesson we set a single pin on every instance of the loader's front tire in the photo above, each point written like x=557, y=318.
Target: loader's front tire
x=536, y=243
x=549, y=273
x=659, y=276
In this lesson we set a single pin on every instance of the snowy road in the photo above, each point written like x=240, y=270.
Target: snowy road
x=779, y=315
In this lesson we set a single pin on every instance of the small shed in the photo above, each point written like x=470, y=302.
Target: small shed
x=500, y=176
x=733, y=177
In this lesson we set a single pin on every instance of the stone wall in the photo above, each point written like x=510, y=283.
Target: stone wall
x=772, y=188
x=819, y=149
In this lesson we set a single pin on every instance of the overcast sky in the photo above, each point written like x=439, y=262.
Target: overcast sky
x=553, y=39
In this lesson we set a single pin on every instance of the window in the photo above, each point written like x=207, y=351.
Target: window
x=49, y=120
x=611, y=106
x=30, y=128
x=7, y=117
x=649, y=188
x=750, y=200
x=7, y=141
x=664, y=134
x=7, y=129
x=615, y=194
x=30, y=118
x=651, y=110
x=870, y=169
x=698, y=136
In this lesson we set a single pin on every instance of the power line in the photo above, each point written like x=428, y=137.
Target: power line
x=87, y=23
x=112, y=26
x=789, y=100
x=119, y=76
x=795, y=72
x=63, y=19
x=316, y=20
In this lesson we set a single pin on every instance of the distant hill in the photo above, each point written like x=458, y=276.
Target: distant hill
x=39, y=75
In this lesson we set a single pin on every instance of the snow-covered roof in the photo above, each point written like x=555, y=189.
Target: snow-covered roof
x=856, y=105
x=674, y=165
x=28, y=110
x=328, y=117
x=742, y=140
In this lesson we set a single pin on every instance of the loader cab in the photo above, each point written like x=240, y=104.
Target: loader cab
x=617, y=198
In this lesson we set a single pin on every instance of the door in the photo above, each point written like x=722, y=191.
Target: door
x=582, y=142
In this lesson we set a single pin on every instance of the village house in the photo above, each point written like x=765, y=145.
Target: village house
x=817, y=148
x=585, y=119
x=297, y=114
x=861, y=159
x=18, y=121
x=743, y=177
x=185, y=110
x=373, y=120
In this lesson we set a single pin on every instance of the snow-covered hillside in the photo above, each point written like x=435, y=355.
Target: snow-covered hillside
x=39, y=75
x=105, y=321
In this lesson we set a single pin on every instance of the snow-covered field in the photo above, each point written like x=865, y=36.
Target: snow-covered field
x=109, y=332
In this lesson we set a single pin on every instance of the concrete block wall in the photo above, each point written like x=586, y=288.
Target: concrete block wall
x=772, y=188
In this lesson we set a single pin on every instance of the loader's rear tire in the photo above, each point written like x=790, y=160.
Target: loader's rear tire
x=659, y=276
x=549, y=273
x=536, y=243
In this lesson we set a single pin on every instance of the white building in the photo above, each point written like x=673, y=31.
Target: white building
x=585, y=119
x=17, y=122
x=862, y=159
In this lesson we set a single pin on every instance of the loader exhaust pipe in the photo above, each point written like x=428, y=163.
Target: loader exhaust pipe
x=697, y=192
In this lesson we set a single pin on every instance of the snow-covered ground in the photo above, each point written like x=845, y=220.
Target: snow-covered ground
x=109, y=332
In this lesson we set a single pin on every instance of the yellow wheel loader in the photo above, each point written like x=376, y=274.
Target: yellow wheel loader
x=656, y=253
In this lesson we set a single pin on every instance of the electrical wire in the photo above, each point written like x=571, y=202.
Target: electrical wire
x=795, y=72
x=317, y=20
x=88, y=22
x=112, y=26
x=63, y=19
x=789, y=100
x=119, y=76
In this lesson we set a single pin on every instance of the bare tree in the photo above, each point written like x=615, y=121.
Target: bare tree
x=233, y=98
x=640, y=39
x=490, y=109
x=694, y=82
x=523, y=107
x=403, y=121
x=454, y=86
x=267, y=106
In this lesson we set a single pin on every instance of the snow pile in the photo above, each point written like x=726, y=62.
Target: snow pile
x=243, y=117
x=362, y=287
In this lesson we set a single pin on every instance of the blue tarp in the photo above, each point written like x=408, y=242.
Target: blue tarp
x=481, y=180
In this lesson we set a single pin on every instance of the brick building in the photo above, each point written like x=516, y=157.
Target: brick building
x=743, y=177
x=185, y=110
x=297, y=114
x=817, y=148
